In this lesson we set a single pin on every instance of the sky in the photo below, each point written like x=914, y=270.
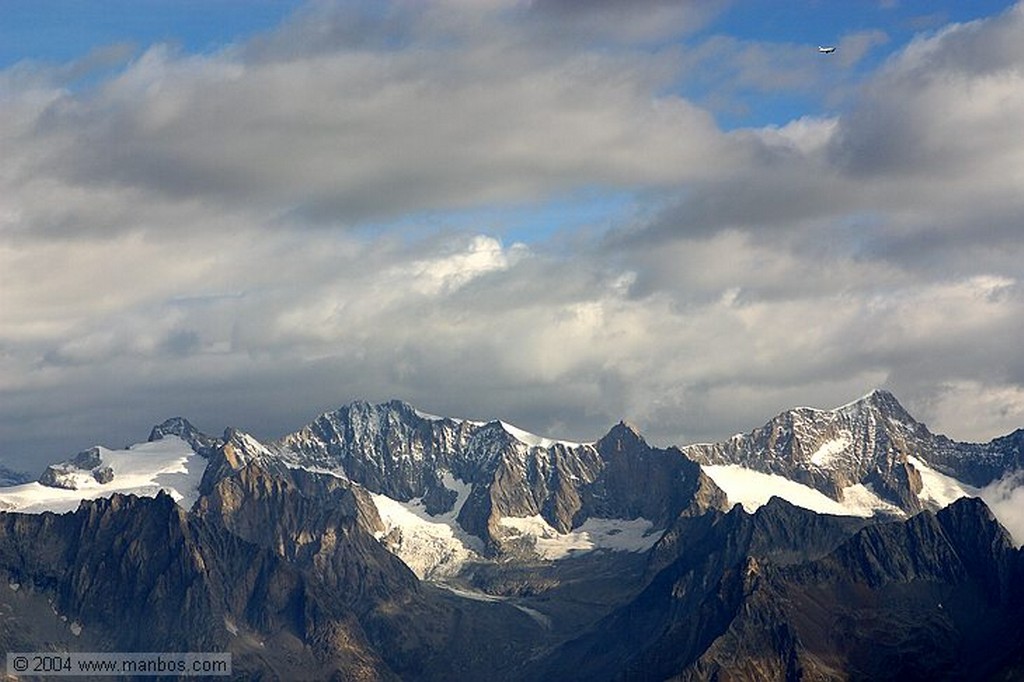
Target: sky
x=554, y=212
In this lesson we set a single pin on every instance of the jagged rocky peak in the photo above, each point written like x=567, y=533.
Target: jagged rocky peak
x=790, y=594
x=187, y=583
x=235, y=451
x=68, y=474
x=200, y=442
x=247, y=447
x=393, y=449
x=624, y=436
x=882, y=401
x=872, y=441
x=639, y=480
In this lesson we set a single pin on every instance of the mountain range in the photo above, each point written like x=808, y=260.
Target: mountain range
x=380, y=542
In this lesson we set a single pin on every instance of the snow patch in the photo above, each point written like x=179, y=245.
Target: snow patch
x=827, y=451
x=938, y=488
x=144, y=469
x=336, y=473
x=462, y=491
x=252, y=447
x=617, y=535
x=541, y=619
x=862, y=497
x=753, y=489
x=533, y=440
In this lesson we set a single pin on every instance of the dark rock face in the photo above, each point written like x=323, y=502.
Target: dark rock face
x=990, y=461
x=697, y=587
x=103, y=474
x=391, y=449
x=935, y=597
x=281, y=572
x=317, y=522
x=141, y=575
x=639, y=480
x=201, y=443
x=88, y=459
x=868, y=441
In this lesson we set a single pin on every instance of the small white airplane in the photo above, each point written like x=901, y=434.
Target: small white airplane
x=826, y=50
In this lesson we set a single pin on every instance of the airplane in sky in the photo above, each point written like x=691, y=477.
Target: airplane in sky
x=826, y=50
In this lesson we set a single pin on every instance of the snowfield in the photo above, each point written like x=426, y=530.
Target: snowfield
x=144, y=469
x=753, y=489
x=940, y=489
x=436, y=547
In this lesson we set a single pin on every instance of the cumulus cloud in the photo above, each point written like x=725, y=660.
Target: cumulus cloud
x=1005, y=498
x=349, y=131
x=251, y=236
x=854, y=46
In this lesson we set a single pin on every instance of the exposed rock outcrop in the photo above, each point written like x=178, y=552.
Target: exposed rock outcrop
x=201, y=443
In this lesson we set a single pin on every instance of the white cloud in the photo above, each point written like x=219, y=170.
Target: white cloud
x=854, y=46
x=250, y=236
x=450, y=272
x=1005, y=498
x=972, y=410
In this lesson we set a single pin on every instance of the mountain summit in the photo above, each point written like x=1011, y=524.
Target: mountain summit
x=872, y=442
x=394, y=450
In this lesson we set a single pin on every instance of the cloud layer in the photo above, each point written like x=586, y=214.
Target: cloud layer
x=251, y=236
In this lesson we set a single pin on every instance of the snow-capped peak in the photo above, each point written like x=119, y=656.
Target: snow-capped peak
x=533, y=440
x=169, y=464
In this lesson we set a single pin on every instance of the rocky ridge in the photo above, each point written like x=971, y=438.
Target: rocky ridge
x=871, y=441
x=396, y=451
x=934, y=597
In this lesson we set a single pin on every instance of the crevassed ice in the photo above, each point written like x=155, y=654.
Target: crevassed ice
x=431, y=546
